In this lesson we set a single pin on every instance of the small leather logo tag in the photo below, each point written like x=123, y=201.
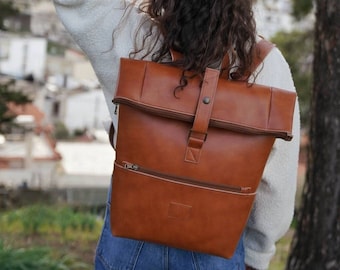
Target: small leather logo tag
x=178, y=210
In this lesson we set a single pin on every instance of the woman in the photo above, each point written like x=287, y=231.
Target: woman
x=203, y=31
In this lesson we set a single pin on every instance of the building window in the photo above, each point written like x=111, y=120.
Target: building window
x=56, y=108
x=4, y=49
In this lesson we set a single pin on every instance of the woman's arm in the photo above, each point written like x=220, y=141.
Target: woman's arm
x=99, y=29
x=92, y=25
x=274, y=204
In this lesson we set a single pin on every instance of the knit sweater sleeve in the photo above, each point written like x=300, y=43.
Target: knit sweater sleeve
x=274, y=203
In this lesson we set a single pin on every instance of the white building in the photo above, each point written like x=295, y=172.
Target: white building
x=273, y=16
x=85, y=164
x=85, y=171
x=70, y=70
x=31, y=162
x=45, y=23
x=22, y=56
x=28, y=157
x=84, y=109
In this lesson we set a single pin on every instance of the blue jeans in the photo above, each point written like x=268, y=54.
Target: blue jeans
x=114, y=253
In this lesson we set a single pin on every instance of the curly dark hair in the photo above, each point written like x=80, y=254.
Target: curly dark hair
x=203, y=31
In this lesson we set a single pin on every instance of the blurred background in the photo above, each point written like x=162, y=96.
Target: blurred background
x=55, y=158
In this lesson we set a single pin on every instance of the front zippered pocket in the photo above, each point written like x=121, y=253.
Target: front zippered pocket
x=184, y=180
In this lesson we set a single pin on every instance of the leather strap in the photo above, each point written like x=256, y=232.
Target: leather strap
x=261, y=50
x=263, y=47
x=198, y=132
x=175, y=55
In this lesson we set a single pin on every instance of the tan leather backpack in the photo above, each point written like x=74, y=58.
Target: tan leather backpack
x=188, y=165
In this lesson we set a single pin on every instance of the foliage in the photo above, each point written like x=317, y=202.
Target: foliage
x=43, y=219
x=35, y=259
x=9, y=94
x=80, y=132
x=74, y=223
x=301, y=8
x=54, y=48
x=297, y=48
x=63, y=229
x=279, y=260
x=61, y=132
x=6, y=9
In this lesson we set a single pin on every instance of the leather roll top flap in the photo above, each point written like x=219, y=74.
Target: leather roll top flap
x=238, y=106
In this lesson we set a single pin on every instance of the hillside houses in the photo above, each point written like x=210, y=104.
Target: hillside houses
x=64, y=89
x=28, y=154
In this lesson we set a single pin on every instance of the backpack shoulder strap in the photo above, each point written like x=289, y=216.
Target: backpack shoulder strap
x=261, y=50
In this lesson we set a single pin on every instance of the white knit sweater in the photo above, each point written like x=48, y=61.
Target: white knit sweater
x=92, y=23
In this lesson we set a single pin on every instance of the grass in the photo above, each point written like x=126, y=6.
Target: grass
x=62, y=237
x=282, y=250
x=58, y=237
x=36, y=258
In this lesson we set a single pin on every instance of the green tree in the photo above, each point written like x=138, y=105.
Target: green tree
x=297, y=48
x=301, y=8
x=9, y=94
x=6, y=9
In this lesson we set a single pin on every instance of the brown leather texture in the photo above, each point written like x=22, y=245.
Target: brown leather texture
x=188, y=163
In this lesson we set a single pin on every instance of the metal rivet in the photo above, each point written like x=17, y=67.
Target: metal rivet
x=206, y=100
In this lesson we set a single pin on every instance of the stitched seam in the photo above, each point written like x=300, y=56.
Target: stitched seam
x=104, y=262
x=270, y=108
x=194, y=261
x=166, y=258
x=139, y=250
x=146, y=67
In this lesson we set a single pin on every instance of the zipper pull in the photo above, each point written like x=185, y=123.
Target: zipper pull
x=130, y=166
x=116, y=109
x=245, y=189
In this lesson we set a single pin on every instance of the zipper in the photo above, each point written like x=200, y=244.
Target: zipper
x=190, y=118
x=155, y=110
x=183, y=180
x=116, y=108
